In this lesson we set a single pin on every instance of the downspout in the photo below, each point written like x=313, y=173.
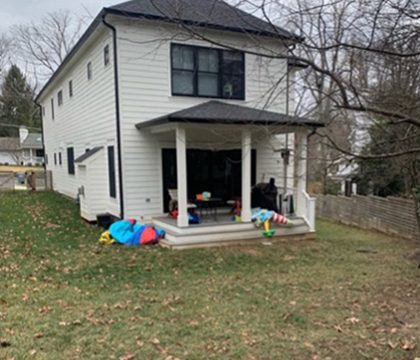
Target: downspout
x=286, y=148
x=117, y=115
x=44, y=165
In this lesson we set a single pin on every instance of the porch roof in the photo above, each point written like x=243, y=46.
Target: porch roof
x=217, y=112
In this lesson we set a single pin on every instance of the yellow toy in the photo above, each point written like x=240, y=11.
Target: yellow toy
x=106, y=238
x=267, y=231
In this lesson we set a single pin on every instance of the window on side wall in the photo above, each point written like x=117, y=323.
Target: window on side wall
x=106, y=55
x=111, y=172
x=206, y=72
x=55, y=158
x=89, y=70
x=60, y=98
x=71, y=88
x=70, y=160
x=60, y=162
x=52, y=109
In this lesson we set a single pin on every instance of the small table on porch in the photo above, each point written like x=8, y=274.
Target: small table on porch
x=210, y=205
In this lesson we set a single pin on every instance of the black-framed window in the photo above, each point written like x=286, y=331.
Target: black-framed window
x=60, y=98
x=106, y=55
x=55, y=158
x=111, y=172
x=70, y=160
x=60, y=161
x=71, y=88
x=46, y=159
x=206, y=72
x=52, y=109
x=89, y=70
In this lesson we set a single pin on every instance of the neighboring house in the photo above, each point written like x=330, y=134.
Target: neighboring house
x=27, y=149
x=343, y=171
x=10, y=152
x=32, y=147
x=140, y=106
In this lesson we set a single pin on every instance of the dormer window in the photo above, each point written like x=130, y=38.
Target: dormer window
x=206, y=72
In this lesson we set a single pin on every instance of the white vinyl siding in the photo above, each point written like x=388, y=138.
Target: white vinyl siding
x=145, y=93
x=89, y=118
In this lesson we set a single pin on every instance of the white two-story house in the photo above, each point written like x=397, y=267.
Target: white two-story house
x=185, y=95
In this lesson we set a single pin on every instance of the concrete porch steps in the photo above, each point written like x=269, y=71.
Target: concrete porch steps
x=229, y=234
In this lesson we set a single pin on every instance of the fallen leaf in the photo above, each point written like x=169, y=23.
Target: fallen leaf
x=338, y=328
x=128, y=357
x=392, y=345
x=353, y=320
x=155, y=341
x=38, y=335
x=32, y=352
x=408, y=345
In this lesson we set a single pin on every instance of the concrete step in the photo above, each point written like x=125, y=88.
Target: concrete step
x=218, y=227
x=220, y=234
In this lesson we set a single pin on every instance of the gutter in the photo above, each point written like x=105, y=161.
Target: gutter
x=117, y=113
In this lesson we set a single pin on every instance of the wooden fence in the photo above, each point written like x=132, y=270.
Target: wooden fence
x=391, y=215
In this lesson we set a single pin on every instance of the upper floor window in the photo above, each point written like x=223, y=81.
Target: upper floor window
x=52, y=109
x=71, y=88
x=206, y=72
x=60, y=98
x=89, y=70
x=106, y=55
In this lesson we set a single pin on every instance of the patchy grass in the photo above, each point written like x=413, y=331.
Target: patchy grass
x=20, y=169
x=63, y=296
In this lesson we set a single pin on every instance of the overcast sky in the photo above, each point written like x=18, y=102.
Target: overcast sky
x=23, y=11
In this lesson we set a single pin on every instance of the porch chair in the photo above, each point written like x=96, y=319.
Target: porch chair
x=173, y=203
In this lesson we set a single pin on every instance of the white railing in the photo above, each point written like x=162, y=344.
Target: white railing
x=290, y=191
x=309, y=212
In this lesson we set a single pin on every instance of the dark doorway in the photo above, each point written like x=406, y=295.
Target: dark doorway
x=219, y=172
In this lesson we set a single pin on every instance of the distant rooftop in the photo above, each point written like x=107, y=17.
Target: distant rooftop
x=33, y=141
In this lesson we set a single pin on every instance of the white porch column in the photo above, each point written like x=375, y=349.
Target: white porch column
x=301, y=170
x=246, y=176
x=181, y=164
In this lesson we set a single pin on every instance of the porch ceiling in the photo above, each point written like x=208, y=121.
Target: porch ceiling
x=216, y=112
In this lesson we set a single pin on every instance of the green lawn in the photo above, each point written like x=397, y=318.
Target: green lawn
x=64, y=296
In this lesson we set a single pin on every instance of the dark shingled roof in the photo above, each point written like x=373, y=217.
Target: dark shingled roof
x=9, y=143
x=87, y=154
x=217, y=112
x=33, y=141
x=207, y=13
x=214, y=14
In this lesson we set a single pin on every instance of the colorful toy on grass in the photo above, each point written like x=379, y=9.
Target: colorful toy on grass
x=260, y=216
x=128, y=232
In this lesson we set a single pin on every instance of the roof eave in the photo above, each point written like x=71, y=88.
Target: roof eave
x=118, y=12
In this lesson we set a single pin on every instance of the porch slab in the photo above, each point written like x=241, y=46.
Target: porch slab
x=226, y=232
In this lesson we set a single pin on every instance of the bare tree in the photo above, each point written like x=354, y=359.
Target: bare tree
x=44, y=45
x=5, y=46
x=11, y=146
